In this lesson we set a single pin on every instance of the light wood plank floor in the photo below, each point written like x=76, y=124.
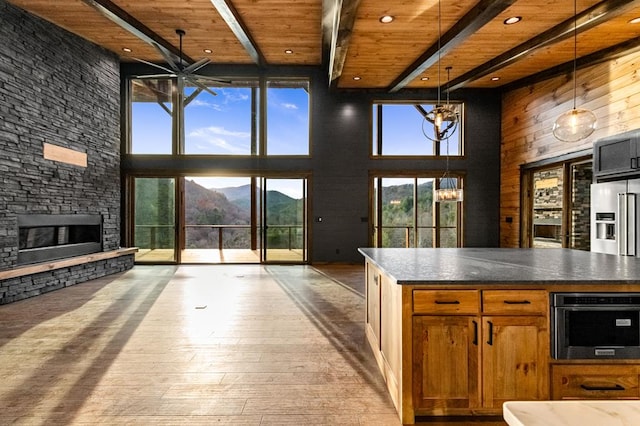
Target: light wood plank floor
x=215, y=344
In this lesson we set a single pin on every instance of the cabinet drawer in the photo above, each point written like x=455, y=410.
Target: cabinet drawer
x=513, y=302
x=595, y=382
x=446, y=301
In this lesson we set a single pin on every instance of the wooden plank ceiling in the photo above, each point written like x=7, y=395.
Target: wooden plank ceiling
x=360, y=52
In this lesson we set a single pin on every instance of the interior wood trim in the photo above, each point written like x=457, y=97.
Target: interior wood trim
x=114, y=13
x=584, y=21
x=64, y=155
x=475, y=19
x=583, y=154
x=237, y=26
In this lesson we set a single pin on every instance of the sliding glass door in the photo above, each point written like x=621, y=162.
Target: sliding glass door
x=220, y=219
x=154, y=226
x=284, y=215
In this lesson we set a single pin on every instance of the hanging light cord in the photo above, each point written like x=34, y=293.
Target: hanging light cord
x=439, y=46
x=575, y=51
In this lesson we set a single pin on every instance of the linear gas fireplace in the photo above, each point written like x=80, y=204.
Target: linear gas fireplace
x=43, y=237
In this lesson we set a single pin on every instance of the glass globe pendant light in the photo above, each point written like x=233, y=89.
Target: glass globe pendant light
x=577, y=123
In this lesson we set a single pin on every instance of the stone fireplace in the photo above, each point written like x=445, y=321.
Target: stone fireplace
x=60, y=206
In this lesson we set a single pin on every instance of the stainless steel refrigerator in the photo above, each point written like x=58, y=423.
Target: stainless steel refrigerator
x=614, y=217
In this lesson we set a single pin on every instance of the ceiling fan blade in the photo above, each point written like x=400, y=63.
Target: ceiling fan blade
x=154, y=65
x=152, y=76
x=168, y=59
x=196, y=65
x=200, y=85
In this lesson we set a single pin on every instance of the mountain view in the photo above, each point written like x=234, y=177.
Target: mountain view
x=209, y=211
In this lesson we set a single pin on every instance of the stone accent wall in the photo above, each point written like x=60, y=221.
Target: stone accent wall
x=19, y=288
x=581, y=207
x=59, y=89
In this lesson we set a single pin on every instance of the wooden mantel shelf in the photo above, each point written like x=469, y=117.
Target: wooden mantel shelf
x=20, y=271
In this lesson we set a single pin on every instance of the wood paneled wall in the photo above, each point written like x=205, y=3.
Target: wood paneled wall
x=611, y=90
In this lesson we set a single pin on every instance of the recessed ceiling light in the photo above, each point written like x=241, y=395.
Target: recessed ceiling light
x=207, y=50
x=495, y=78
x=386, y=19
x=288, y=51
x=357, y=78
x=635, y=21
x=126, y=49
x=424, y=78
x=512, y=20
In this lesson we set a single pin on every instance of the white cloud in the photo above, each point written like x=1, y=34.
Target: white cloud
x=222, y=139
x=289, y=106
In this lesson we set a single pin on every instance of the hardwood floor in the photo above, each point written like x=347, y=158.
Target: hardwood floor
x=217, y=344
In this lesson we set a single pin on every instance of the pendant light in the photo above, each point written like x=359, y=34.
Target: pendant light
x=447, y=190
x=577, y=123
x=444, y=118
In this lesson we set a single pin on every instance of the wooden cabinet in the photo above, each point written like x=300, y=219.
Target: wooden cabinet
x=475, y=350
x=591, y=381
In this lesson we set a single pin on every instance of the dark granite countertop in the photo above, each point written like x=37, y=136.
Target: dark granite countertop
x=496, y=265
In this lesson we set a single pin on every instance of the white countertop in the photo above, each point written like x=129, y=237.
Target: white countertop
x=572, y=413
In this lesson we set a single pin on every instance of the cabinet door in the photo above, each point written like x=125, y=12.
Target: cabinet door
x=445, y=364
x=515, y=359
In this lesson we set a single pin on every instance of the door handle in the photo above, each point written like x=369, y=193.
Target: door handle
x=447, y=302
x=517, y=302
x=490, y=339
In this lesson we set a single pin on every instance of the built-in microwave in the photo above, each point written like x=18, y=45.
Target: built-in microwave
x=595, y=325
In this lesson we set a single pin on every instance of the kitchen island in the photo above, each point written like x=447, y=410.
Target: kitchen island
x=458, y=332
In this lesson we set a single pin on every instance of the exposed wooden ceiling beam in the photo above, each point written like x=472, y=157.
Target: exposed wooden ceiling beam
x=111, y=11
x=604, y=55
x=475, y=19
x=340, y=20
x=589, y=18
x=235, y=23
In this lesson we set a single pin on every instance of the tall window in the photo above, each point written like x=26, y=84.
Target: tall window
x=399, y=130
x=220, y=124
x=287, y=117
x=234, y=118
x=151, y=116
x=406, y=216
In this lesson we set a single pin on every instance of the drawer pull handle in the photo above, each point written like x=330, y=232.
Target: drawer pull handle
x=447, y=302
x=615, y=387
x=517, y=302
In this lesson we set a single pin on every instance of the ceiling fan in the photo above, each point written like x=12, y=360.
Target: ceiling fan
x=184, y=74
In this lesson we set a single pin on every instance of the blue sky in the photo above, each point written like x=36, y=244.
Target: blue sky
x=221, y=125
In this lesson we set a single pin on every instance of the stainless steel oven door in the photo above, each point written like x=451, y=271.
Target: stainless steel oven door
x=600, y=332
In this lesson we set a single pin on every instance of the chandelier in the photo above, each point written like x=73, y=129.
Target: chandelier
x=577, y=123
